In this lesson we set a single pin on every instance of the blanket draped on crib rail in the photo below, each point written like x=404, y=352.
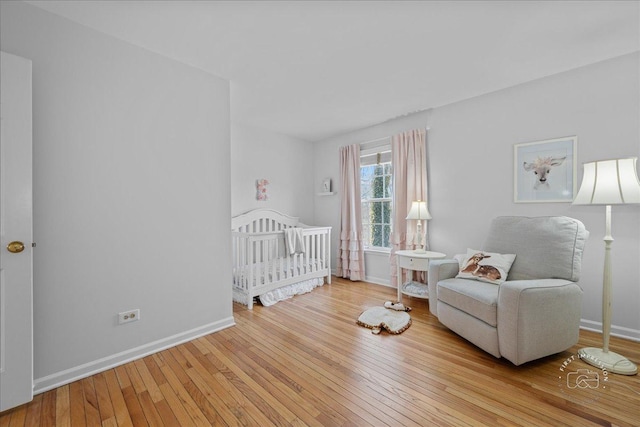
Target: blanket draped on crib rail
x=294, y=241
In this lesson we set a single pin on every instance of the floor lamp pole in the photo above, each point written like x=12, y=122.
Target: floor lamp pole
x=602, y=357
x=607, y=283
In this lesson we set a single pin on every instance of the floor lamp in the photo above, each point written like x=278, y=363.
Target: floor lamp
x=419, y=212
x=608, y=182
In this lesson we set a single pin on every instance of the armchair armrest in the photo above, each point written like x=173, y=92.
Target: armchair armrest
x=537, y=318
x=439, y=269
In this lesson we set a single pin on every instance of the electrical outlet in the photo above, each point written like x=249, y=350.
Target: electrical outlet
x=128, y=316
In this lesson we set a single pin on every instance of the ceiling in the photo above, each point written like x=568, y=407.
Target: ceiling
x=318, y=69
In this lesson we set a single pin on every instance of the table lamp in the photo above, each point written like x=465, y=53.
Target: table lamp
x=419, y=212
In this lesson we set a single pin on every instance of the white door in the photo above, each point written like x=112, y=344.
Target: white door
x=16, y=283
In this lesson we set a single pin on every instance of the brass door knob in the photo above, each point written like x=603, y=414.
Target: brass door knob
x=15, y=247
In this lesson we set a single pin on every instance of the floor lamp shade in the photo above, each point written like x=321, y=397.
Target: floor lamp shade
x=608, y=182
x=419, y=212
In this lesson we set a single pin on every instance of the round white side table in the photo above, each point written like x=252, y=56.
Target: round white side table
x=415, y=261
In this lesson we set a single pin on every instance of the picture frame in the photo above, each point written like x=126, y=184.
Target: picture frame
x=545, y=171
x=326, y=185
x=261, y=189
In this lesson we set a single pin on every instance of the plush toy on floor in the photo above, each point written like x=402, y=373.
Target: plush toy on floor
x=398, y=306
x=378, y=318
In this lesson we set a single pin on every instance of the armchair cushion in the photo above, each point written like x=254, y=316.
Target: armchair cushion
x=546, y=247
x=477, y=299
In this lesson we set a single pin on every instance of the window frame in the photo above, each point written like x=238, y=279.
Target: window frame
x=380, y=155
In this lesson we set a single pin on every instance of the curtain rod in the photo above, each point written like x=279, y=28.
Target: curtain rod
x=383, y=138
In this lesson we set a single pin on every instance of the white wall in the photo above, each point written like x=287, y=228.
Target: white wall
x=470, y=149
x=285, y=161
x=131, y=196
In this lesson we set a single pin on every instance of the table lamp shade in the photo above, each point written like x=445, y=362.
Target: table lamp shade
x=419, y=211
x=609, y=182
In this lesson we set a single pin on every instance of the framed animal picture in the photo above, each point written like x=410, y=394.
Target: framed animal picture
x=545, y=171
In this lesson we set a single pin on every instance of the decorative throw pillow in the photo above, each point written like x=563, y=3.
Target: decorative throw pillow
x=486, y=266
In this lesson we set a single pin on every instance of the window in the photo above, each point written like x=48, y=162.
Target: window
x=376, y=188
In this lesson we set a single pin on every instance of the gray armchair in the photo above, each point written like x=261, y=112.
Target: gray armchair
x=536, y=311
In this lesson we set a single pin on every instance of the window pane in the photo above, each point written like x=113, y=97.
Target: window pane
x=386, y=238
x=377, y=236
x=376, y=212
x=388, y=186
x=378, y=187
x=366, y=235
x=365, y=214
x=366, y=175
x=386, y=212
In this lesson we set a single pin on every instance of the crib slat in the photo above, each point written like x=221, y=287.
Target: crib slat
x=308, y=243
x=324, y=250
x=314, y=266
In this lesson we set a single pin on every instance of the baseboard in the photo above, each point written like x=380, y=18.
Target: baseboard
x=70, y=375
x=616, y=331
x=370, y=279
x=378, y=281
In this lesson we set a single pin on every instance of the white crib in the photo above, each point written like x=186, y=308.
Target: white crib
x=261, y=266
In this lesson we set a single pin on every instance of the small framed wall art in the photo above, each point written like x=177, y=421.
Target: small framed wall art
x=261, y=189
x=545, y=171
x=326, y=185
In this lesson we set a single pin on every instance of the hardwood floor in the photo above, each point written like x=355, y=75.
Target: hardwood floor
x=304, y=361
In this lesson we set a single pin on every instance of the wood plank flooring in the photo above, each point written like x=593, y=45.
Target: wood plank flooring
x=304, y=361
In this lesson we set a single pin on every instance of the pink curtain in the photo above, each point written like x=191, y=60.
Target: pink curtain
x=409, y=161
x=350, y=262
